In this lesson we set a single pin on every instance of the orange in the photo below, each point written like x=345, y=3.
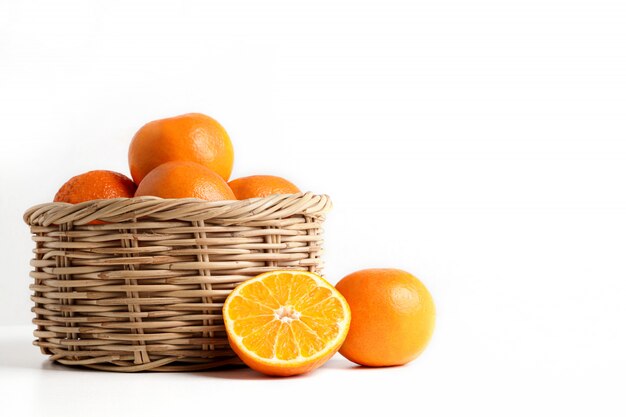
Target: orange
x=261, y=186
x=286, y=322
x=95, y=185
x=393, y=317
x=183, y=179
x=191, y=137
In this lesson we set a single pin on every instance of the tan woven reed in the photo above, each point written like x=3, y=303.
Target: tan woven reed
x=144, y=290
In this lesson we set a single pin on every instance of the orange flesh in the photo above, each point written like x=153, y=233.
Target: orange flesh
x=287, y=317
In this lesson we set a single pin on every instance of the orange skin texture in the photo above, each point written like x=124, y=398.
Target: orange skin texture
x=190, y=137
x=183, y=179
x=393, y=317
x=261, y=186
x=95, y=185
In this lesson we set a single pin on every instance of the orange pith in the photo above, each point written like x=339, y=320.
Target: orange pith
x=286, y=322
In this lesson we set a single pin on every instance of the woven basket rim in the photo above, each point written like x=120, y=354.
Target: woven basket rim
x=226, y=212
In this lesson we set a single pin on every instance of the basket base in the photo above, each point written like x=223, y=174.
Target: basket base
x=162, y=365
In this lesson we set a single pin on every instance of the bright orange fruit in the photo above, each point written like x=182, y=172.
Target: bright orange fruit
x=95, y=185
x=191, y=137
x=183, y=179
x=286, y=322
x=261, y=186
x=393, y=317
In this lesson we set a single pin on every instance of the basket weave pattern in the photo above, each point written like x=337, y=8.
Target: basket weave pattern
x=142, y=288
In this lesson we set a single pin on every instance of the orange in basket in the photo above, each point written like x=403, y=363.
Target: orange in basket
x=191, y=137
x=261, y=186
x=184, y=179
x=95, y=185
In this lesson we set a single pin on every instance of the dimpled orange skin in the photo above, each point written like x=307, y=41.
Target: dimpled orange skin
x=190, y=137
x=183, y=179
x=393, y=317
x=95, y=185
x=261, y=186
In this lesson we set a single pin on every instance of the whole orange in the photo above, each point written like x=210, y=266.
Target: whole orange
x=261, y=186
x=184, y=179
x=191, y=137
x=95, y=185
x=393, y=317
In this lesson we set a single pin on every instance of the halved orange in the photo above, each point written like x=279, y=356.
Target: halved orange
x=286, y=322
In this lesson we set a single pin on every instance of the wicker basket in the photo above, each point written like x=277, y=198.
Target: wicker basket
x=138, y=284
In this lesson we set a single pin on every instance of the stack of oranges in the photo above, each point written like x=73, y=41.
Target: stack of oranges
x=281, y=322
x=188, y=156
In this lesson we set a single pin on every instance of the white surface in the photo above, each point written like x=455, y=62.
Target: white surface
x=478, y=144
x=445, y=381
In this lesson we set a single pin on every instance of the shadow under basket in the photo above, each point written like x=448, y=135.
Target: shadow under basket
x=138, y=284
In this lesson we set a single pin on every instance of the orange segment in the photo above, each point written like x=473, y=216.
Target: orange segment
x=301, y=287
x=259, y=293
x=312, y=298
x=262, y=339
x=246, y=307
x=310, y=342
x=279, y=286
x=325, y=330
x=247, y=326
x=286, y=345
x=286, y=322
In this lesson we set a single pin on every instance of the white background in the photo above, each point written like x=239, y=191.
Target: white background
x=477, y=144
